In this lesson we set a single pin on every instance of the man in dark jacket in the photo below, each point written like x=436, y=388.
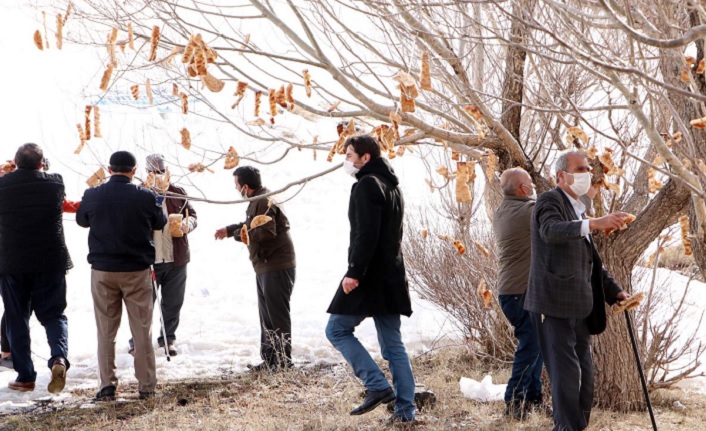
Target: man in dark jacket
x=33, y=264
x=511, y=225
x=567, y=289
x=171, y=249
x=272, y=255
x=375, y=283
x=122, y=217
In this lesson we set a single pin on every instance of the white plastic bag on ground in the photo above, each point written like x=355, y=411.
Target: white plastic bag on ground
x=483, y=391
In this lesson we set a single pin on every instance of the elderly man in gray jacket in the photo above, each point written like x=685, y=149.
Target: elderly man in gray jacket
x=511, y=225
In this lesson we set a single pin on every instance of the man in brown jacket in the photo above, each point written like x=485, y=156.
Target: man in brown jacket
x=272, y=255
x=511, y=225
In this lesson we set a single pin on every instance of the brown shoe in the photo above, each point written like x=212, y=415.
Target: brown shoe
x=21, y=386
x=58, y=376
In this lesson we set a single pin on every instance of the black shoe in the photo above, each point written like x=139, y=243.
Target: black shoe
x=146, y=395
x=374, y=399
x=262, y=367
x=423, y=400
x=397, y=420
x=517, y=409
x=106, y=394
x=540, y=408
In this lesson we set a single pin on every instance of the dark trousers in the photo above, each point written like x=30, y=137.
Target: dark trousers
x=274, y=289
x=45, y=294
x=172, y=282
x=525, y=382
x=4, y=341
x=566, y=350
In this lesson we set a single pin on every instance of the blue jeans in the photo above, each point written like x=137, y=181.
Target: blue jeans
x=45, y=294
x=339, y=332
x=526, y=380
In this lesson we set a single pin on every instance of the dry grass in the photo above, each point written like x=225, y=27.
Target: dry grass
x=319, y=398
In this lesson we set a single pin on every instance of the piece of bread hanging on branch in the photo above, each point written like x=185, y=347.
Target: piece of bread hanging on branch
x=232, y=159
x=82, y=138
x=239, y=93
x=38, y=41
x=485, y=294
x=463, y=192
x=685, y=237
x=307, y=81
x=574, y=135
x=154, y=43
x=425, y=73
x=408, y=91
x=344, y=132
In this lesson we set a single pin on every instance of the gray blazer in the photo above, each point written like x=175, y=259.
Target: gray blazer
x=567, y=278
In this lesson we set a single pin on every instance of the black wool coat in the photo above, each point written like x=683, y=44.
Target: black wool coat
x=121, y=217
x=375, y=212
x=31, y=227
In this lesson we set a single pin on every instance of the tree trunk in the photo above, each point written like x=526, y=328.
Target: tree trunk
x=617, y=380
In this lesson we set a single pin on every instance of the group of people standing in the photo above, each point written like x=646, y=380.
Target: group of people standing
x=135, y=253
x=552, y=287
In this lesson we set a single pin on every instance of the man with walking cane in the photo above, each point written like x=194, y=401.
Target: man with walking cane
x=121, y=217
x=568, y=287
x=172, y=252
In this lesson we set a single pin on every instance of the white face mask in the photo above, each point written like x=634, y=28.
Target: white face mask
x=349, y=168
x=243, y=193
x=582, y=182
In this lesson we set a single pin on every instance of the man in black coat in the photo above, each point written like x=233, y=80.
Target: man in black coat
x=122, y=217
x=567, y=289
x=375, y=283
x=33, y=264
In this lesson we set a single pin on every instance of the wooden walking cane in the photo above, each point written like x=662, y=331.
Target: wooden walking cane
x=639, y=369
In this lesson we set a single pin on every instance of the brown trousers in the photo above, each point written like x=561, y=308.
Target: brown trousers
x=110, y=290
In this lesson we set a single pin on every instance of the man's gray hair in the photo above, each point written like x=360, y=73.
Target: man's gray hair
x=510, y=181
x=562, y=163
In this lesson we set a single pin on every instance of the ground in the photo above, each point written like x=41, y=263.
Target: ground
x=318, y=397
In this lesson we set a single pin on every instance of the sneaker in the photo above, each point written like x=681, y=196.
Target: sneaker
x=58, y=376
x=131, y=350
x=6, y=363
x=146, y=395
x=106, y=394
x=21, y=386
